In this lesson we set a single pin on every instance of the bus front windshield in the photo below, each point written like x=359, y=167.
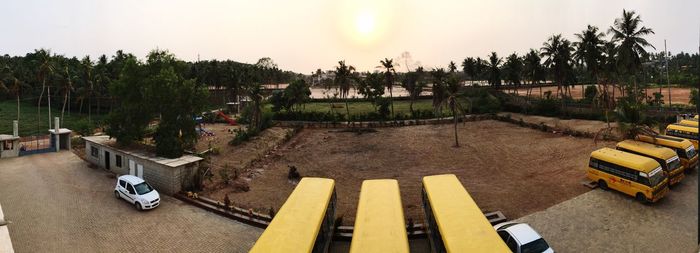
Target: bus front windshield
x=690, y=152
x=674, y=163
x=656, y=177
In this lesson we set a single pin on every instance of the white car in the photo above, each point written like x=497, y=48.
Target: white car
x=521, y=238
x=137, y=192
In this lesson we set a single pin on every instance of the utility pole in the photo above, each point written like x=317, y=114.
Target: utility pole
x=668, y=81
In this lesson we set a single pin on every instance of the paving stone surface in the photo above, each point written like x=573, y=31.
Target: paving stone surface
x=56, y=203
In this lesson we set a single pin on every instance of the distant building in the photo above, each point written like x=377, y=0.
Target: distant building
x=167, y=175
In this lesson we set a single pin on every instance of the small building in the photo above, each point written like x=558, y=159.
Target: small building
x=168, y=176
x=9, y=146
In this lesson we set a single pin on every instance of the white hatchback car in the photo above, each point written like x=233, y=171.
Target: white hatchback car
x=137, y=192
x=521, y=238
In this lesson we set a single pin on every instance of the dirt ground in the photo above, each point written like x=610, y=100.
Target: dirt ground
x=497, y=163
x=678, y=95
x=582, y=125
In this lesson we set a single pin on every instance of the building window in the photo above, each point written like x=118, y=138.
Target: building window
x=118, y=161
x=94, y=152
x=8, y=145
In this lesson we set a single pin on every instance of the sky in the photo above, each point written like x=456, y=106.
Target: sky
x=305, y=35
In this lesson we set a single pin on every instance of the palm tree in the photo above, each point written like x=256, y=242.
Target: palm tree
x=532, y=70
x=494, y=69
x=438, y=75
x=469, y=68
x=46, y=69
x=343, y=79
x=589, y=50
x=67, y=87
x=7, y=76
x=628, y=35
x=513, y=68
x=389, y=74
x=452, y=101
x=557, y=52
x=414, y=84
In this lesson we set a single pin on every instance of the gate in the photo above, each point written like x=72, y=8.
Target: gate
x=40, y=144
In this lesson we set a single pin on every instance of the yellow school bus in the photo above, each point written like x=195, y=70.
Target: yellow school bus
x=689, y=122
x=684, y=148
x=666, y=157
x=454, y=221
x=305, y=221
x=634, y=175
x=685, y=132
x=379, y=224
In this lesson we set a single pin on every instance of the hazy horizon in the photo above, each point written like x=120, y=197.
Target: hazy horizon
x=303, y=36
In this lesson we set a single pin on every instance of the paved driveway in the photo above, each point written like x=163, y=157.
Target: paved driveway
x=57, y=204
x=607, y=221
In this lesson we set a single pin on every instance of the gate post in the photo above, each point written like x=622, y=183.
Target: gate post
x=55, y=134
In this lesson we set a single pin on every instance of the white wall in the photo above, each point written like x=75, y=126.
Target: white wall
x=5, y=243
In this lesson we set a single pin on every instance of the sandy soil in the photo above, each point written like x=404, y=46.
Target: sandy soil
x=581, y=125
x=497, y=163
x=678, y=95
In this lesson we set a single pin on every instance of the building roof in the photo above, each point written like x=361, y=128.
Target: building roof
x=60, y=131
x=104, y=140
x=8, y=137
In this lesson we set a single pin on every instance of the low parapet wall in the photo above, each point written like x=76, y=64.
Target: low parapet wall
x=5, y=242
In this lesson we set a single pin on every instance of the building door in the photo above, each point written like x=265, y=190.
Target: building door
x=132, y=168
x=107, y=164
x=139, y=171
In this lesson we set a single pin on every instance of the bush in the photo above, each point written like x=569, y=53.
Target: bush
x=84, y=127
x=242, y=136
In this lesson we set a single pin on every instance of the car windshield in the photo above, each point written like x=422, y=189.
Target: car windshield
x=674, y=164
x=143, y=188
x=536, y=246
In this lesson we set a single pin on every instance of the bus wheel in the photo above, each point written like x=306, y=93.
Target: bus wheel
x=642, y=198
x=603, y=185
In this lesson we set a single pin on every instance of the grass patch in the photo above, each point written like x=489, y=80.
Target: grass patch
x=29, y=124
x=401, y=106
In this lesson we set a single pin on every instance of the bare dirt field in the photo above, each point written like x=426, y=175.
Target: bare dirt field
x=581, y=125
x=501, y=165
x=678, y=95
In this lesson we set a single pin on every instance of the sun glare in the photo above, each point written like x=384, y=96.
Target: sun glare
x=364, y=23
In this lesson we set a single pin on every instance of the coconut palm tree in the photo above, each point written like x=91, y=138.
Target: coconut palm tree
x=11, y=84
x=627, y=34
x=343, y=79
x=494, y=69
x=589, y=50
x=557, y=52
x=513, y=68
x=413, y=83
x=532, y=70
x=469, y=68
x=46, y=70
x=439, y=90
x=389, y=76
x=452, y=89
x=67, y=88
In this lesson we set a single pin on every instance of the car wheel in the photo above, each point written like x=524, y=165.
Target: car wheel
x=116, y=194
x=602, y=184
x=642, y=198
x=138, y=206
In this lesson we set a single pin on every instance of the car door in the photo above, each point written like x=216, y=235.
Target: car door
x=130, y=193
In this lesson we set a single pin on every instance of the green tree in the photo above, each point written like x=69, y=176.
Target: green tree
x=470, y=69
x=439, y=90
x=414, y=84
x=389, y=76
x=557, y=52
x=533, y=70
x=589, y=50
x=344, y=80
x=513, y=68
x=10, y=84
x=628, y=35
x=494, y=68
x=128, y=121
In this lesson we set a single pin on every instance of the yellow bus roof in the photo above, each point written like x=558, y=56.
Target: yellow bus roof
x=629, y=160
x=296, y=225
x=688, y=122
x=463, y=226
x=648, y=149
x=684, y=128
x=666, y=140
x=379, y=224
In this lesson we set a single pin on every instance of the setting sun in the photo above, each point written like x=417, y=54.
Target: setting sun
x=364, y=23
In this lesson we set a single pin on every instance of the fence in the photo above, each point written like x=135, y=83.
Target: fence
x=36, y=145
